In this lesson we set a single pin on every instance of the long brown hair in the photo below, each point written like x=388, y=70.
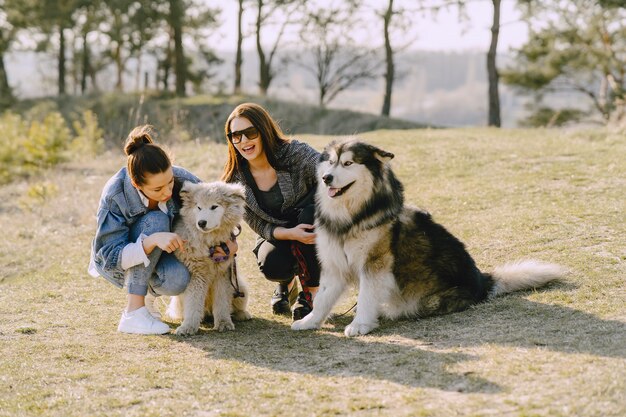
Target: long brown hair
x=144, y=156
x=272, y=137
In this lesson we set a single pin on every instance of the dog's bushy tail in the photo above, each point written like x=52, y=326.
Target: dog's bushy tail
x=523, y=275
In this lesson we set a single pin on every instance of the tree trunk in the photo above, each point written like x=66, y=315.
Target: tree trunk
x=6, y=96
x=61, y=63
x=167, y=66
x=176, y=17
x=119, y=85
x=138, y=72
x=85, y=66
x=238, y=57
x=492, y=71
x=74, y=68
x=93, y=75
x=389, y=75
x=263, y=70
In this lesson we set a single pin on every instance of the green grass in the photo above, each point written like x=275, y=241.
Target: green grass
x=508, y=194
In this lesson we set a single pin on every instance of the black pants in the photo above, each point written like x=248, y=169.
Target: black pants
x=277, y=262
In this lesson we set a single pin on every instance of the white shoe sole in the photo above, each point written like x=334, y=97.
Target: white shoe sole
x=136, y=330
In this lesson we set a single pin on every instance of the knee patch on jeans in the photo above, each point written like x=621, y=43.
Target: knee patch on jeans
x=171, y=277
x=172, y=286
x=154, y=221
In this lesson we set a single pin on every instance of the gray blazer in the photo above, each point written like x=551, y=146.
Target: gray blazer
x=296, y=177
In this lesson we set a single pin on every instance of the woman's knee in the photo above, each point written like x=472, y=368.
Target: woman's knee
x=173, y=285
x=276, y=269
x=153, y=222
x=172, y=277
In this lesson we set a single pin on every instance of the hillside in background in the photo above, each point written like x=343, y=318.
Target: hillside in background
x=201, y=117
x=437, y=88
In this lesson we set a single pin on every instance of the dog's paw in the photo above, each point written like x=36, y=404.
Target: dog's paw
x=241, y=315
x=186, y=330
x=221, y=325
x=355, y=329
x=305, y=324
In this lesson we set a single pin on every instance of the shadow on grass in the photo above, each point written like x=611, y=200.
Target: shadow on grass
x=515, y=321
x=273, y=345
x=507, y=321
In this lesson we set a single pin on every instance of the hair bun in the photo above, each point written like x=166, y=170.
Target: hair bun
x=137, y=138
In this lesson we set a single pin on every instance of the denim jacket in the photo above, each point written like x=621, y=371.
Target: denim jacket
x=120, y=207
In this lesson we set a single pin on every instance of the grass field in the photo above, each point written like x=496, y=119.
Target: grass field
x=509, y=194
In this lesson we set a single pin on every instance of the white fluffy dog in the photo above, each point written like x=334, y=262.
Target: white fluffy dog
x=210, y=213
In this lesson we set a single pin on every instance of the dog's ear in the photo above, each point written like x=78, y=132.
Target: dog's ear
x=185, y=191
x=381, y=155
x=384, y=156
x=238, y=190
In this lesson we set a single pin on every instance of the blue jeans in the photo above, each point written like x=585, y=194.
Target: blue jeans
x=165, y=275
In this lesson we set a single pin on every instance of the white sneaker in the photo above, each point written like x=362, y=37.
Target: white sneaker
x=141, y=322
x=151, y=304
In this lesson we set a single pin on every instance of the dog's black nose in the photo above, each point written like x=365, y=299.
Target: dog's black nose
x=202, y=223
x=327, y=179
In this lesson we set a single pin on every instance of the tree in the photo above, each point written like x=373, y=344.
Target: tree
x=176, y=18
x=337, y=62
x=238, y=54
x=493, y=76
x=393, y=17
x=390, y=71
x=11, y=19
x=576, y=46
x=129, y=25
x=6, y=94
x=192, y=20
x=492, y=70
x=266, y=9
x=51, y=16
x=88, y=24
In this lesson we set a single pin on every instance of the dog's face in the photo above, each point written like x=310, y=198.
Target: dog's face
x=209, y=205
x=349, y=169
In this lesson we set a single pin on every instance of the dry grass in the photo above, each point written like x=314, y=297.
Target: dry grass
x=550, y=194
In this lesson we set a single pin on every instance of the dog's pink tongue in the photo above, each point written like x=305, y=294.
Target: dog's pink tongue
x=333, y=191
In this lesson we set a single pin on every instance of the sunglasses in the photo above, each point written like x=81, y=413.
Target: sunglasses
x=250, y=132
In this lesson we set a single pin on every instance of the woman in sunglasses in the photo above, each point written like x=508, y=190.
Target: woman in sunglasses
x=279, y=176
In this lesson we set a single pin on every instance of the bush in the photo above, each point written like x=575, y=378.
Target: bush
x=30, y=145
x=46, y=142
x=548, y=117
x=89, y=140
x=13, y=130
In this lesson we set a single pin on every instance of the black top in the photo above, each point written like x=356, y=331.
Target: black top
x=296, y=180
x=271, y=200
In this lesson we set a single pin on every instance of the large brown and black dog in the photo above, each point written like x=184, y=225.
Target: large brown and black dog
x=403, y=262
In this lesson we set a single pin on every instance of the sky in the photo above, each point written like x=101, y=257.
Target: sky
x=441, y=33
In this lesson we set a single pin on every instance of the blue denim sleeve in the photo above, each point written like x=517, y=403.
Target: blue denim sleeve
x=112, y=235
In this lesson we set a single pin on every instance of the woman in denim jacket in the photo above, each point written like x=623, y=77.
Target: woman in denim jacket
x=133, y=242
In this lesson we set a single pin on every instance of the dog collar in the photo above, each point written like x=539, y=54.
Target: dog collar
x=224, y=246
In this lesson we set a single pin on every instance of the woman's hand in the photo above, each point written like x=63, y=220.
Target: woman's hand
x=220, y=254
x=304, y=233
x=167, y=241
